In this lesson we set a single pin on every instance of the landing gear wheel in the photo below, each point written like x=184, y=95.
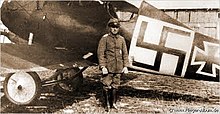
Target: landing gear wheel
x=22, y=88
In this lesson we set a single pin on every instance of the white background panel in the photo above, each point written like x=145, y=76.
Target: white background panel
x=178, y=42
x=153, y=33
x=168, y=64
x=145, y=56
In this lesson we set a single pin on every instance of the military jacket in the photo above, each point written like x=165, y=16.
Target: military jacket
x=112, y=53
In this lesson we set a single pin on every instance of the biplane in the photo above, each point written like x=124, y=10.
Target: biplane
x=62, y=36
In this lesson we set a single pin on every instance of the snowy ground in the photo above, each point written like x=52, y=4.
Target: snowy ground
x=139, y=93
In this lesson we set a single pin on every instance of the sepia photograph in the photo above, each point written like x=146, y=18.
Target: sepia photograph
x=110, y=56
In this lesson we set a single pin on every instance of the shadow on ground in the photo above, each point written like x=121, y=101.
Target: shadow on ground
x=159, y=95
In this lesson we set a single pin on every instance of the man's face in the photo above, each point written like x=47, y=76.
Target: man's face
x=114, y=30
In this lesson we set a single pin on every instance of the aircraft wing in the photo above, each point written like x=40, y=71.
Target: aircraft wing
x=23, y=57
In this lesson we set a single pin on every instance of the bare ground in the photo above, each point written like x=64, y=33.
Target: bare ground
x=139, y=93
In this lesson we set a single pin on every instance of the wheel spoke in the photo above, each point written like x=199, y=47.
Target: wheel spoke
x=14, y=80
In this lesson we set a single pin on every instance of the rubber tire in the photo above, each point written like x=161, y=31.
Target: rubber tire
x=36, y=95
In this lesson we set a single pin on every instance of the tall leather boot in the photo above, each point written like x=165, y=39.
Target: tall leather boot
x=114, y=98
x=106, y=100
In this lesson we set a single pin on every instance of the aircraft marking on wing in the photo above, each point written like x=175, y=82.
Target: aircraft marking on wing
x=208, y=59
x=161, y=46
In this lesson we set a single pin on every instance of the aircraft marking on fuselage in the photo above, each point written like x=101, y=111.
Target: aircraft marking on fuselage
x=208, y=59
x=162, y=41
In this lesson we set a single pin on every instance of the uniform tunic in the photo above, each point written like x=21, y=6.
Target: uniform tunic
x=112, y=54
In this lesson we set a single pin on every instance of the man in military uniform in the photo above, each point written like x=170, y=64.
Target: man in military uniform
x=113, y=61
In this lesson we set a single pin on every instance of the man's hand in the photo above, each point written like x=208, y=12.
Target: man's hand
x=125, y=70
x=104, y=71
